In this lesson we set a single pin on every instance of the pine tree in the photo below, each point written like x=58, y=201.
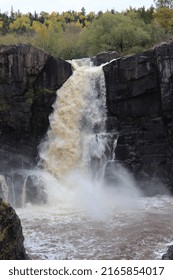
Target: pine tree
x=164, y=3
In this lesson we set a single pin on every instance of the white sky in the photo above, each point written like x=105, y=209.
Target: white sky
x=64, y=5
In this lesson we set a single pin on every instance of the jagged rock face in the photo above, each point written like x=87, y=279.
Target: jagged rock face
x=11, y=236
x=29, y=78
x=140, y=102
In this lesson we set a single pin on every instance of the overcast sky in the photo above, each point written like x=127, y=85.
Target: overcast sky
x=64, y=5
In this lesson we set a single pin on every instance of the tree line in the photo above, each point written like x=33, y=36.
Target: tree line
x=74, y=34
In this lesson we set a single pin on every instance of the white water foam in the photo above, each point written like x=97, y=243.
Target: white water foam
x=56, y=232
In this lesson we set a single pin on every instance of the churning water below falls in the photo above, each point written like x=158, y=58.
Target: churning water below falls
x=87, y=216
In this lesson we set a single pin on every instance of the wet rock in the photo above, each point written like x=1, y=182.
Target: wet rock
x=139, y=102
x=104, y=57
x=169, y=254
x=11, y=236
x=29, y=78
x=35, y=191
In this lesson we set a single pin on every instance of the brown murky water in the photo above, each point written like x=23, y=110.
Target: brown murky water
x=139, y=233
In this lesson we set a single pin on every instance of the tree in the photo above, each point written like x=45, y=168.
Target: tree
x=123, y=33
x=83, y=11
x=21, y=24
x=146, y=15
x=4, y=23
x=164, y=3
x=164, y=16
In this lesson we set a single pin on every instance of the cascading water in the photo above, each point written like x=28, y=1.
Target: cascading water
x=77, y=135
x=77, y=214
x=4, y=188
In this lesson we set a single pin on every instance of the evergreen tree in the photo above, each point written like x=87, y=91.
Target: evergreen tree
x=164, y=3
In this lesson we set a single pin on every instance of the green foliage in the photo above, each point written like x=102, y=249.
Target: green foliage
x=77, y=34
x=142, y=14
x=121, y=32
x=164, y=3
x=3, y=105
x=164, y=16
x=29, y=95
x=14, y=39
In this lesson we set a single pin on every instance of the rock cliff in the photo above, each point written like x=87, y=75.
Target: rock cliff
x=11, y=236
x=29, y=78
x=140, y=102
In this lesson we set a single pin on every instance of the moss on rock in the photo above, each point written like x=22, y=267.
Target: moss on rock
x=11, y=236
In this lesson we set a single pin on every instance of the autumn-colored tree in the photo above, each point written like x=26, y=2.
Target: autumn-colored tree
x=74, y=34
x=164, y=16
x=21, y=24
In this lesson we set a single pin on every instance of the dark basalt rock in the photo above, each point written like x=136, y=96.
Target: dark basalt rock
x=140, y=108
x=11, y=236
x=29, y=78
x=104, y=57
x=169, y=254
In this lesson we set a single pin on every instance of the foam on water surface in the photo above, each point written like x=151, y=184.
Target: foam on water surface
x=61, y=233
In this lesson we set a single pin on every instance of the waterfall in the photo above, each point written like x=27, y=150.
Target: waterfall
x=76, y=142
x=77, y=139
x=78, y=151
x=20, y=187
x=77, y=154
x=4, y=189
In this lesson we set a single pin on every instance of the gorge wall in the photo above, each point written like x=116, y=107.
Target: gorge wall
x=140, y=108
x=139, y=105
x=29, y=78
x=139, y=96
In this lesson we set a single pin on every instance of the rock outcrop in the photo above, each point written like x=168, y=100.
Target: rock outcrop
x=104, y=57
x=169, y=254
x=29, y=78
x=140, y=109
x=11, y=236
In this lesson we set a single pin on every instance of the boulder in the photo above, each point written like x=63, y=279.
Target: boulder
x=104, y=57
x=11, y=236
